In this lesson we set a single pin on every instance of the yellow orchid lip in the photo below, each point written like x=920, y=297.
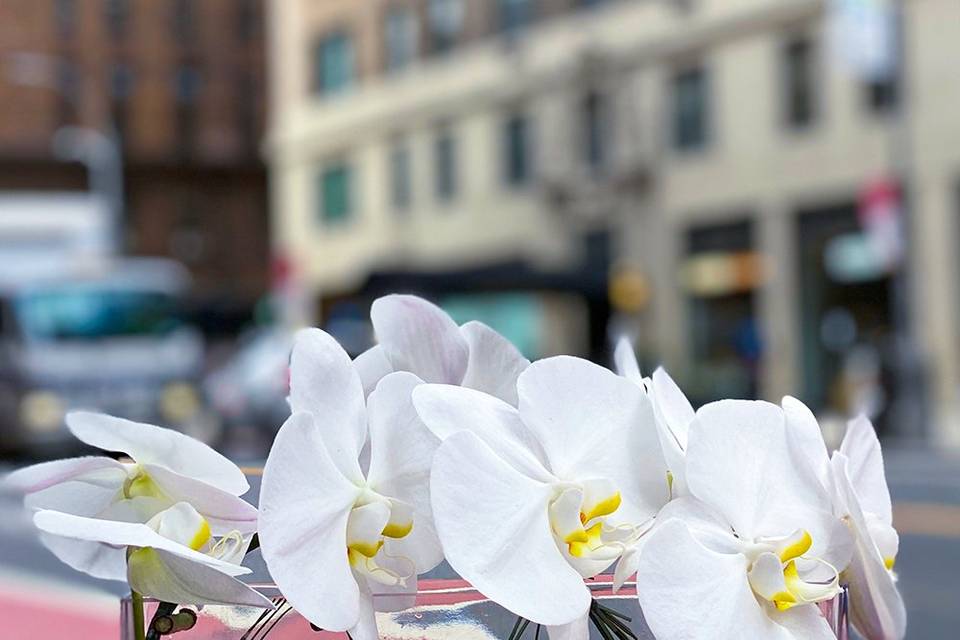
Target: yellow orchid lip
x=366, y=549
x=798, y=545
x=201, y=537
x=889, y=563
x=397, y=530
x=602, y=508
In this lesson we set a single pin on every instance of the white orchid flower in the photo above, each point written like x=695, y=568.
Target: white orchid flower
x=162, y=468
x=529, y=501
x=173, y=557
x=754, y=547
x=417, y=336
x=863, y=501
x=672, y=410
x=332, y=532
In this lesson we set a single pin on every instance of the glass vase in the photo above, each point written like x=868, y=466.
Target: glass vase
x=441, y=609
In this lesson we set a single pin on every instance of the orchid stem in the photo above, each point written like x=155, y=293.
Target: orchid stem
x=136, y=601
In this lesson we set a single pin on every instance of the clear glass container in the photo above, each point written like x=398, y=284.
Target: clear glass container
x=441, y=609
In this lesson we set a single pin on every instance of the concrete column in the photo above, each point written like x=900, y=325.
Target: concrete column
x=777, y=302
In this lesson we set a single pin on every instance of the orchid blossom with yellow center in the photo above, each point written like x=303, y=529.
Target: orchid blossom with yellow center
x=345, y=521
x=163, y=473
x=754, y=547
x=529, y=501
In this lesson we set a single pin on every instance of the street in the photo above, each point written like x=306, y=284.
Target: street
x=40, y=597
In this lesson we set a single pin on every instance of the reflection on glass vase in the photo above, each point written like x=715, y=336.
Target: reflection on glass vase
x=441, y=609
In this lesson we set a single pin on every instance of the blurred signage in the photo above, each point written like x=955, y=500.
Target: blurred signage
x=714, y=274
x=628, y=289
x=851, y=258
x=880, y=212
x=863, y=37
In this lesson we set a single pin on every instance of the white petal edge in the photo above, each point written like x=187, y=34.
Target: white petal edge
x=305, y=502
x=688, y=592
x=150, y=444
x=325, y=384
x=494, y=362
x=401, y=451
x=372, y=365
x=419, y=337
x=168, y=577
x=499, y=538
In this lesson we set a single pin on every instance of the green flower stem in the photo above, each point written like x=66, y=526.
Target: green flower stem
x=136, y=600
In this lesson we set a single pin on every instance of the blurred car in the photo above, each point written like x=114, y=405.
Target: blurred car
x=107, y=337
x=251, y=388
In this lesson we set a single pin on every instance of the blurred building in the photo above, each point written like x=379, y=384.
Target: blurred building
x=180, y=84
x=694, y=172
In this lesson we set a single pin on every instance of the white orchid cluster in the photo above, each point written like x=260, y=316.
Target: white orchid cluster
x=443, y=442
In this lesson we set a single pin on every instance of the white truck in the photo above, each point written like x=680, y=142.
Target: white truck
x=82, y=328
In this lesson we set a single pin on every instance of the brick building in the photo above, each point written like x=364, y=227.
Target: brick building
x=181, y=83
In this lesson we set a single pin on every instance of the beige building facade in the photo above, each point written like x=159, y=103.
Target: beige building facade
x=717, y=150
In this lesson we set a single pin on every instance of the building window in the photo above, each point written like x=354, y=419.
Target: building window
x=690, y=109
x=401, y=32
x=445, y=165
x=594, y=130
x=401, y=179
x=183, y=21
x=333, y=64
x=516, y=149
x=445, y=18
x=65, y=15
x=336, y=203
x=117, y=14
x=800, y=83
x=882, y=96
x=515, y=14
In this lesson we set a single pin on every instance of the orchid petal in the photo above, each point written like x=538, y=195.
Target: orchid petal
x=98, y=560
x=88, y=494
x=689, y=592
x=767, y=581
x=865, y=467
x=366, y=626
x=372, y=365
x=704, y=522
x=626, y=567
x=397, y=597
x=96, y=470
x=672, y=405
x=625, y=361
x=364, y=526
x=123, y=534
x=876, y=607
x=499, y=538
x=148, y=444
x=305, y=502
x=493, y=364
x=226, y=512
x=447, y=409
x=592, y=423
x=740, y=462
x=171, y=578
x=806, y=623
x=419, y=337
x=401, y=450
x=804, y=430
x=182, y=523
x=138, y=509
x=579, y=629
x=324, y=383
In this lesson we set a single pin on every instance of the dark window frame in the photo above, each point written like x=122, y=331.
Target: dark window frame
x=337, y=209
x=321, y=83
x=691, y=132
x=800, y=96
